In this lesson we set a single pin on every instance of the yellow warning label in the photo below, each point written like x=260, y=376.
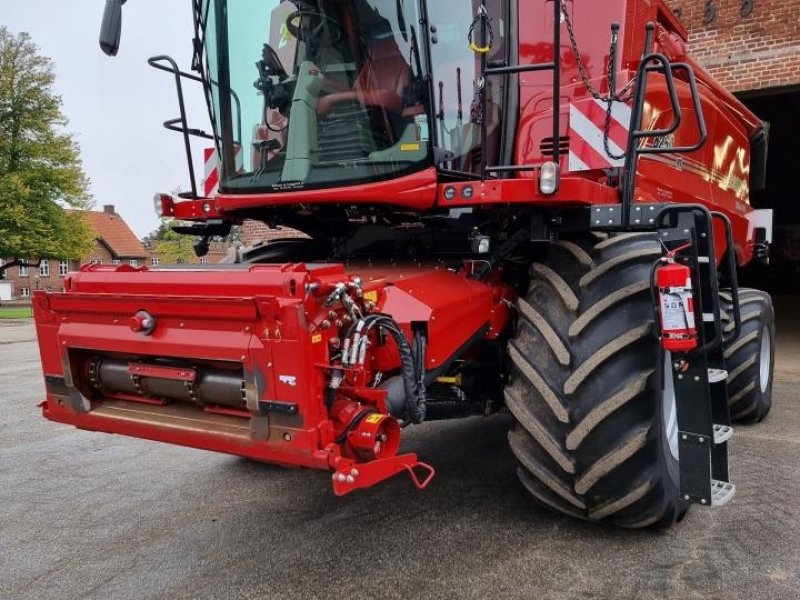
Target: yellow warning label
x=409, y=147
x=316, y=339
x=374, y=418
x=371, y=296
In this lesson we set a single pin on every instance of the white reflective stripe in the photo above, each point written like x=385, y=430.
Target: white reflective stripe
x=211, y=163
x=708, y=317
x=593, y=136
x=576, y=164
x=239, y=158
x=620, y=112
x=703, y=259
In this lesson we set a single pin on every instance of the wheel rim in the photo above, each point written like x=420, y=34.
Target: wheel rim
x=669, y=409
x=765, y=358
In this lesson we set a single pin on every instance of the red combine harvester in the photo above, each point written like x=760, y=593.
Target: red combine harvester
x=530, y=207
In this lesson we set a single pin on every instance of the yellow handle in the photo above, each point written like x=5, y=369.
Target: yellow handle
x=479, y=50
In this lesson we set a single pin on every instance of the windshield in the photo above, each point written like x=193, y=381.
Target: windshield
x=316, y=92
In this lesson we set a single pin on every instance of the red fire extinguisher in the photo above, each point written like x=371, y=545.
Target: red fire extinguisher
x=676, y=305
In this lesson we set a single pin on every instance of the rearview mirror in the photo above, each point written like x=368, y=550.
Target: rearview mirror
x=111, y=28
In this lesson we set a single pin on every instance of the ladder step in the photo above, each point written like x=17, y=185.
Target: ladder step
x=722, y=433
x=721, y=492
x=717, y=375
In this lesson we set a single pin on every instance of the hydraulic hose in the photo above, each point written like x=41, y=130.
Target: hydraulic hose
x=412, y=364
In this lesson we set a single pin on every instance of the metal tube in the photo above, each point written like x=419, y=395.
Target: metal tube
x=556, y=81
x=484, y=131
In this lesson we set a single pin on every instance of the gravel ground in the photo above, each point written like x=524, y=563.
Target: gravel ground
x=89, y=515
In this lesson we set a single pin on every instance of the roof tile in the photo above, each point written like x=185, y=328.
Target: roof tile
x=115, y=233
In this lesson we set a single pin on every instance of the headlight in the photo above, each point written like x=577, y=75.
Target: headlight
x=548, y=178
x=163, y=204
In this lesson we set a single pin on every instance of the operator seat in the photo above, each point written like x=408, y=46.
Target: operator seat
x=380, y=83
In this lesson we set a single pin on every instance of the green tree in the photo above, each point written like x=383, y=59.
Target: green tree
x=40, y=167
x=170, y=247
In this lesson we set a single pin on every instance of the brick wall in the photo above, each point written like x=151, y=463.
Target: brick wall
x=254, y=232
x=755, y=52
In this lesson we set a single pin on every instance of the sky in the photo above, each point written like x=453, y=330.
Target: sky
x=116, y=106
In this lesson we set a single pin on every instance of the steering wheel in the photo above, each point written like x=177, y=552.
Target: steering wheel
x=308, y=33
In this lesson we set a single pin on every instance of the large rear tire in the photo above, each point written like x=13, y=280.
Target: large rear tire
x=750, y=358
x=595, y=435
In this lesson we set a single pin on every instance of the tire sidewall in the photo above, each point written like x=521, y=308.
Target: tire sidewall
x=667, y=463
x=766, y=325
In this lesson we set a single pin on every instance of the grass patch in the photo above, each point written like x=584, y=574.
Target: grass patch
x=16, y=312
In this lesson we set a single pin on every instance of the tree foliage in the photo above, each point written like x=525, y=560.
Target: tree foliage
x=170, y=247
x=40, y=167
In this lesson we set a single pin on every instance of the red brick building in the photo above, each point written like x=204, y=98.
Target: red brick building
x=256, y=232
x=747, y=45
x=115, y=243
x=753, y=48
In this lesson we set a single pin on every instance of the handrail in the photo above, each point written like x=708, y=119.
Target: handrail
x=180, y=124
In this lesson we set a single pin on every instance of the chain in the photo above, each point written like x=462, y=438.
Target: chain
x=622, y=95
x=476, y=107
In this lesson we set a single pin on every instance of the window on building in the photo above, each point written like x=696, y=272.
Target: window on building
x=44, y=268
x=63, y=267
x=2, y=262
x=96, y=261
x=25, y=292
x=116, y=261
x=134, y=262
x=23, y=271
x=154, y=261
x=204, y=261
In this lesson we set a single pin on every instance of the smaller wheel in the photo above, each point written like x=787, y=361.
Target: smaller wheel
x=751, y=356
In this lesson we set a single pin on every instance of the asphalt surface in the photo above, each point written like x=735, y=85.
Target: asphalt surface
x=89, y=515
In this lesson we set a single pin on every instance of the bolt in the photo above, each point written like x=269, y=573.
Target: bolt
x=696, y=378
x=342, y=477
x=702, y=440
x=350, y=479
x=703, y=501
x=686, y=497
x=287, y=437
x=242, y=358
x=685, y=437
x=247, y=329
x=325, y=324
x=680, y=376
x=354, y=472
x=182, y=324
x=652, y=208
